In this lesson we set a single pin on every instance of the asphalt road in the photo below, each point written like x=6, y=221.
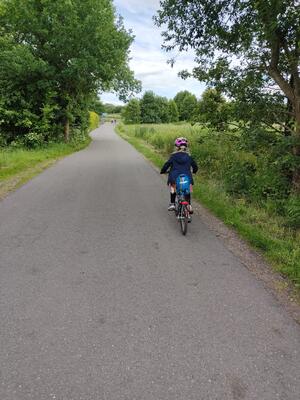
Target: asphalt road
x=103, y=298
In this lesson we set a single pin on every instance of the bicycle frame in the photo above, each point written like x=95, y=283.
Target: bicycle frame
x=182, y=212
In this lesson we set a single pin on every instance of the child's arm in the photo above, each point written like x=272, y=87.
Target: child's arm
x=166, y=166
x=194, y=165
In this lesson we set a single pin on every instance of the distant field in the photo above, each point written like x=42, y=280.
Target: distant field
x=110, y=117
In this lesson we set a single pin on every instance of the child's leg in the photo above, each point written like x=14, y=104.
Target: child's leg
x=188, y=198
x=172, y=193
x=172, y=197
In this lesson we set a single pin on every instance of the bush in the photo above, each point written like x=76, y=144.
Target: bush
x=239, y=172
x=3, y=141
x=258, y=139
x=293, y=212
x=268, y=183
x=94, y=121
x=33, y=140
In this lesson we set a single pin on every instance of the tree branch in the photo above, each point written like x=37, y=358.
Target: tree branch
x=282, y=83
x=292, y=60
x=274, y=71
x=283, y=126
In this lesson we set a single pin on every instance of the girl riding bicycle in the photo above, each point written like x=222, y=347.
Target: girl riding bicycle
x=179, y=163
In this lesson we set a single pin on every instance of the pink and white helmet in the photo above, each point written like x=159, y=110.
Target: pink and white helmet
x=181, y=141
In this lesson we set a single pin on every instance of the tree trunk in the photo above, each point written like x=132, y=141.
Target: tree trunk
x=296, y=149
x=67, y=130
x=289, y=121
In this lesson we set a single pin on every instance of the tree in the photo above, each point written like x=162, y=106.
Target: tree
x=186, y=103
x=150, y=108
x=96, y=105
x=77, y=48
x=132, y=112
x=262, y=35
x=173, y=111
x=179, y=100
x=212, y=109
x=112, y=108
x=27, y=97
x=163, y=104
x=188, y=107
x=157, y=109
x=118, y=109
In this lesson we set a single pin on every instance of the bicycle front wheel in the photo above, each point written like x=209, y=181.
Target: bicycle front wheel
x=183, y=218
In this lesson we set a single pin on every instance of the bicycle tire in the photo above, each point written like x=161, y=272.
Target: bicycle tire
x=183, y=219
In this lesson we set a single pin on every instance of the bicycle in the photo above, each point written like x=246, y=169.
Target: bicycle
x=182, y=212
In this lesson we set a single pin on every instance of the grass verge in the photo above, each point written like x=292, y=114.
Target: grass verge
x=265, y=232
x=17, y=166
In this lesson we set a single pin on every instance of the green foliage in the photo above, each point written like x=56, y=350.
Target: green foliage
x=179, y=100
x=112, y=108
x=189, y=104
x=150, y=109
x=238, y=172
x=118, y=109
x=293, y=212
x=258, y=171
x=248, y=50
x=212, y=109
x=55, y=55
x=18, y=165
x=173, y=111
x=154, y=109
x=96, y=105
x=33, y=140
x=270, y=226
x=257, y=138
x=164, y=109
x=27, y=102
x=263, y=35
x=94, y=121
x=186, y=103
x=132, y=112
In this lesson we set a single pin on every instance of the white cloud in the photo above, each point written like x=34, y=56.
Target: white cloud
x=148, y=61
x=138, y=6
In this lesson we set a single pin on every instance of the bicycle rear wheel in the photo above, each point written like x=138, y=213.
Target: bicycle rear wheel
x=183, y=219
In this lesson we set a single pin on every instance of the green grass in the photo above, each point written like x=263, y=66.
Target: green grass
x=149, y=152
x=17, y=166
x=14, y=161
x=265, y=231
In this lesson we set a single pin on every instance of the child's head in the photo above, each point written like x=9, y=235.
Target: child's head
x=181, y=144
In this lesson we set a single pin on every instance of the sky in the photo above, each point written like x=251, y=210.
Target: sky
x=148, y=60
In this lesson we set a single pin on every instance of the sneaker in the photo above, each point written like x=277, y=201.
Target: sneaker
x=171, y=207
x=189, y=207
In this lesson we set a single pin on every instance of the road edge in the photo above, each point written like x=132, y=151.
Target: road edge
x=274, y=283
